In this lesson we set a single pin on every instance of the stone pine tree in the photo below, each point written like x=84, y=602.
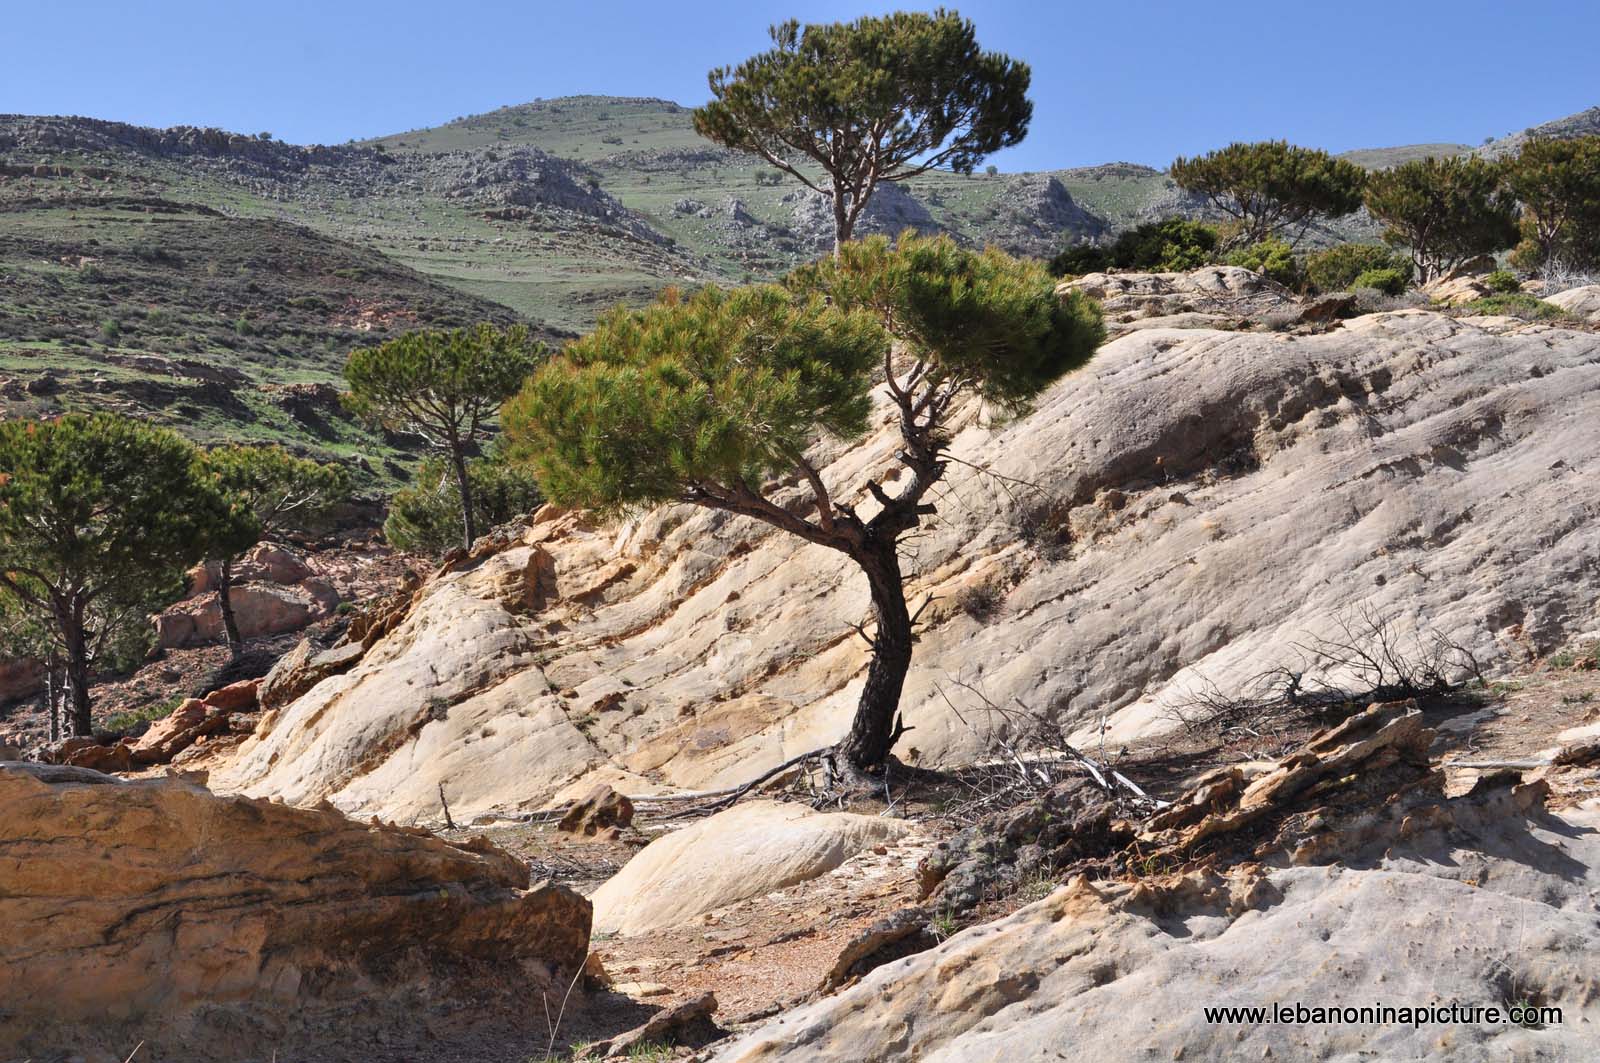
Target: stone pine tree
x=710, y=398
x=100, y=516
x=1445, y=210
x=278, y=493
x=1557, y=183
x=425, y=517
x=1271, y=188
x=445, y=387
x=842, y=107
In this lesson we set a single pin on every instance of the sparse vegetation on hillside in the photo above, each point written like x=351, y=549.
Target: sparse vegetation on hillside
x=705, y=399
x=875, y=100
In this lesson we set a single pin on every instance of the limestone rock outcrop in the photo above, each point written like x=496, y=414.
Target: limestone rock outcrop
x=1581, y=302
x=745, y=851
x=206, y=926
x=1340, y=878
x=1182, y=513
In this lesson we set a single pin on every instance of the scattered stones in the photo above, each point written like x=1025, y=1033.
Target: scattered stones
x=688, y=1024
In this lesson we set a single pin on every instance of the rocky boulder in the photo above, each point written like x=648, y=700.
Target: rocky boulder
x=601, y=810
x=1213, y=499
x=172, y=734
x=1581, y=302
x=746, y=851
x=303, y=668
x=20, y=677
x=258, y=609
x=206, y=926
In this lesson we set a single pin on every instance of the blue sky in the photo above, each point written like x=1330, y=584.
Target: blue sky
x=1135, y=81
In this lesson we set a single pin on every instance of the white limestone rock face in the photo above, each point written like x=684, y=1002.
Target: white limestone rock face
x=1229, y=495
x=1495, y=910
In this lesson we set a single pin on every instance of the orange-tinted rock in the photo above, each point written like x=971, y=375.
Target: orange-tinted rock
x=600, y=810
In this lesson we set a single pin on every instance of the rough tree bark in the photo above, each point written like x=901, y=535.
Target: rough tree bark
x=458, y=461
x=874, y=730
x=76, y=667
x=230, y=624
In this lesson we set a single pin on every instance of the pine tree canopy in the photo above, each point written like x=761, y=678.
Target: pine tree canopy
x=101, y=504
x=877, y=99
x=728, y=388
x=720, y=386
x=1271, y=186
x=442, y=385
x=279, y=490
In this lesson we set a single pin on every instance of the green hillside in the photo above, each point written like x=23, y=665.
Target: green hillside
x=227, y=328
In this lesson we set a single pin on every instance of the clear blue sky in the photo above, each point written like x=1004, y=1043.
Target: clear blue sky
x=1129, y=80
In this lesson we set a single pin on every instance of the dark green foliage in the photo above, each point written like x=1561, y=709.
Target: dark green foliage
x=1336, y=269
x=1080, y=259
x=280, y=493
x=979, y=320
x=1502, y=281
x=1387, y=281
x=1558, y=184
x=1515, y=304
x=100, y=516
x=1272, y=187
x=721, y=386
x=1273, y=259
x=877, y=99
x=445, y=387
x=425, y=518
x=1445, y=210
x=1167, y=246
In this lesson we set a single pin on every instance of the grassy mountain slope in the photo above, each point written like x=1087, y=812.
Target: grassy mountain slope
x=250, y=265
x=224, y=327
x=1384, y=158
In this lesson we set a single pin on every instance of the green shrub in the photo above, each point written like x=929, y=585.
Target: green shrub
x=1168, y=246
x=1336, y=269
x=425, y=518
x=1387, y=281
x=1079, y=259
x=123, y=722
x=1273, y=259
x=1515, y=304
x=1503, y=281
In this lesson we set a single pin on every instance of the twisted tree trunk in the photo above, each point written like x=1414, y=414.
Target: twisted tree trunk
x=874, y=730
